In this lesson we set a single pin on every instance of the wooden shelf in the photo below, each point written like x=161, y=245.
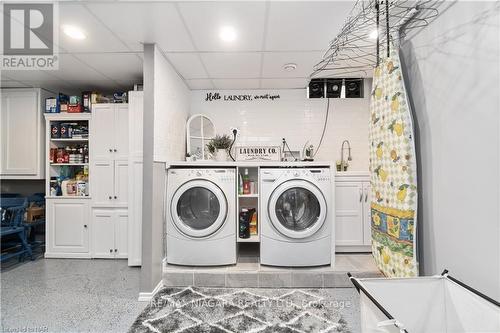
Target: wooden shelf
x=252, y=239
x=68, y=164
x=68, y=139
x=253, y=195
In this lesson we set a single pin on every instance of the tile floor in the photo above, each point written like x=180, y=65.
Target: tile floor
x=66, y=295
x=248, y=273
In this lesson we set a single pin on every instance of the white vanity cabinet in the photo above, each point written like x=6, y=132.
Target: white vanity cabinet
x=68, y=230
x=109, y=233
x=22, y=134
x=352, y=212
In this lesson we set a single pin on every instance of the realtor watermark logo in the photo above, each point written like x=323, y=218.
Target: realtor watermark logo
x=30, y=36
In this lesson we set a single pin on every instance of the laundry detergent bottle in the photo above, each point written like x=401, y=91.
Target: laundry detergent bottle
x=246, y=183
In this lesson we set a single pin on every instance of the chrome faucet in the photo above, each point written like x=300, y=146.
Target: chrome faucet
x=349, y=157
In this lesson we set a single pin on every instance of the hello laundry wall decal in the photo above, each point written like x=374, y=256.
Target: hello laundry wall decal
x=216, y=96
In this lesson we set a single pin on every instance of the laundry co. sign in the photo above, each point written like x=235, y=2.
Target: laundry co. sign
x=215, y=96
x=258, y=153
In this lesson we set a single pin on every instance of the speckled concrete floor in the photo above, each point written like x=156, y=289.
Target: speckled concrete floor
x=65, y=295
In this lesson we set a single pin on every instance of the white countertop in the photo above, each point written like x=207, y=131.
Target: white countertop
x=211, y=163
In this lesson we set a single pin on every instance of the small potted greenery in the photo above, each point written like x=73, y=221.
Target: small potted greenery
x=219, y=147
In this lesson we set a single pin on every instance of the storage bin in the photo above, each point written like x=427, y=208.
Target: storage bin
x=424, y=304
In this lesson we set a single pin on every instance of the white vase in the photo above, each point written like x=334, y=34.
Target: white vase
x=221, y=155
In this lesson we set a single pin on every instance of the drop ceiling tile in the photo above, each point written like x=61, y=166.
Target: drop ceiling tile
x=204, y=19
x=29, y=75
x=188, y=65
x=199, y=84
x=98, y=37
x=147, y=22
x=273, y=63
x=11, y=84
x=305, y=25
x=117, y=66
x=71, y=68
x=232, y=65
x=236, y=83
x=285, y=83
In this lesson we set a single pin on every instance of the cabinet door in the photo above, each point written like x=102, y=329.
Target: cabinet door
x=103, y=233
x=120, y=196
x=121, y=233
x=349, y=213
x=102, y=188
x=102, y=132
x=68, y=222
x=20, y=120
x=367, y=226
x=121, y=132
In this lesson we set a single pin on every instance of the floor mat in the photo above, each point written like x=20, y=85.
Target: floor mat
x=195, y=309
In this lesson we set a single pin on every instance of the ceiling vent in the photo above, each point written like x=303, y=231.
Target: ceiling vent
x=336, y=88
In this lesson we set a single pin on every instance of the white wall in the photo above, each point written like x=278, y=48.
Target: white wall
x=171, y=108
x=453, y=76
x=295, y=118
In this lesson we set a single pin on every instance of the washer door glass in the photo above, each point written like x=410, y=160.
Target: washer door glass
x=297, y=209
x=198, y=208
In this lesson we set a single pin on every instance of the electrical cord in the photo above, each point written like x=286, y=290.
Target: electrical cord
x=232, y=143
x=324, y=126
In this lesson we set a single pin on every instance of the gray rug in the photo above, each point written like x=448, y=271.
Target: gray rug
x=214, y=310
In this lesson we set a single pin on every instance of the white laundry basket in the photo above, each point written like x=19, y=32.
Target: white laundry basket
x=424, y=305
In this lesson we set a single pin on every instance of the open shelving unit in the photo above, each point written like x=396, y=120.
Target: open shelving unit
x=54, y=169
x=251, y=200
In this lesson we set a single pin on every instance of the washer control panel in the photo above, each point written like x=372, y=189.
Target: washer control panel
x=319, y=174
x=223, y=175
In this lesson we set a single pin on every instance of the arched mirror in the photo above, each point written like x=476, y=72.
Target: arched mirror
x=200, y=129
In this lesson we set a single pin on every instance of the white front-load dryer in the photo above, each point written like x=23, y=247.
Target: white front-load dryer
x=200, y=217
x=296, y=217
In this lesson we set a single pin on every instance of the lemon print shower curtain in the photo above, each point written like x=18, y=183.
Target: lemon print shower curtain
x=393, y=172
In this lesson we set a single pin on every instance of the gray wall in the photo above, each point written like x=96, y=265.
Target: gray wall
x=453, y=76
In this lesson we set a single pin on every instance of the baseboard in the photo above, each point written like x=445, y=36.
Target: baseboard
x=146, y=297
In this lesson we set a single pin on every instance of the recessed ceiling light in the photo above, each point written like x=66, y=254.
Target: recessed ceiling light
x=374, y=34
x=290, y=67
x=74, y=32
x=227, y=33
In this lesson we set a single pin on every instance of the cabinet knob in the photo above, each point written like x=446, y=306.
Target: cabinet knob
x=110, y=250
x=85, y=226
x=110, y=197
x=115, y=150
x=116, y=197
x=110, y=150
x=116, y=250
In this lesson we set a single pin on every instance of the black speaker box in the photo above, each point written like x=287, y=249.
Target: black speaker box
x=354, y=88
x=333, y=88
x=316, y=88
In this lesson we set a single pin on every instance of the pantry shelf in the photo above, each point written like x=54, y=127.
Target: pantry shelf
x=69, y=164
x=70, y=140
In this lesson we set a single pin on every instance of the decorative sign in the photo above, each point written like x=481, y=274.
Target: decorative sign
x=215, y=96
x=258, y=153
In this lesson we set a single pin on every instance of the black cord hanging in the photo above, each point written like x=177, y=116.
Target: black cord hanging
x=387, y=27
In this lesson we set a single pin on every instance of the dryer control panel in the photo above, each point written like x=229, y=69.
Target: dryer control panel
x=319, y=174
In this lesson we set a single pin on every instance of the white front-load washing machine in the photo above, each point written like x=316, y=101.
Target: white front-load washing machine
x=200, y=217
x=297, y=215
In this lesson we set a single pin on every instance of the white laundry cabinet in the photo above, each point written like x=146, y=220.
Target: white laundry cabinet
x=352, y=212
x=22, y=134
x=109, y=139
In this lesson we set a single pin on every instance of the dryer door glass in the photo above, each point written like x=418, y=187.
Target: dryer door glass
x=198, y=208
x=297, y=209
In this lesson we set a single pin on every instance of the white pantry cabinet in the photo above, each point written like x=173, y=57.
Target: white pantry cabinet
x=68, y=232
x=109, y=151
x=352, y=212
x=109, y=233
x=22, y=134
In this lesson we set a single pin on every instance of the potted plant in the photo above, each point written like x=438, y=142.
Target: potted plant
x=219, y=146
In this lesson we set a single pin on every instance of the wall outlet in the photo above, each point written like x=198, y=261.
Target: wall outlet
x=232, y=129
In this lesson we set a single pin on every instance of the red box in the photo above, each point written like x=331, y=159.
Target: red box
x=77, y=108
